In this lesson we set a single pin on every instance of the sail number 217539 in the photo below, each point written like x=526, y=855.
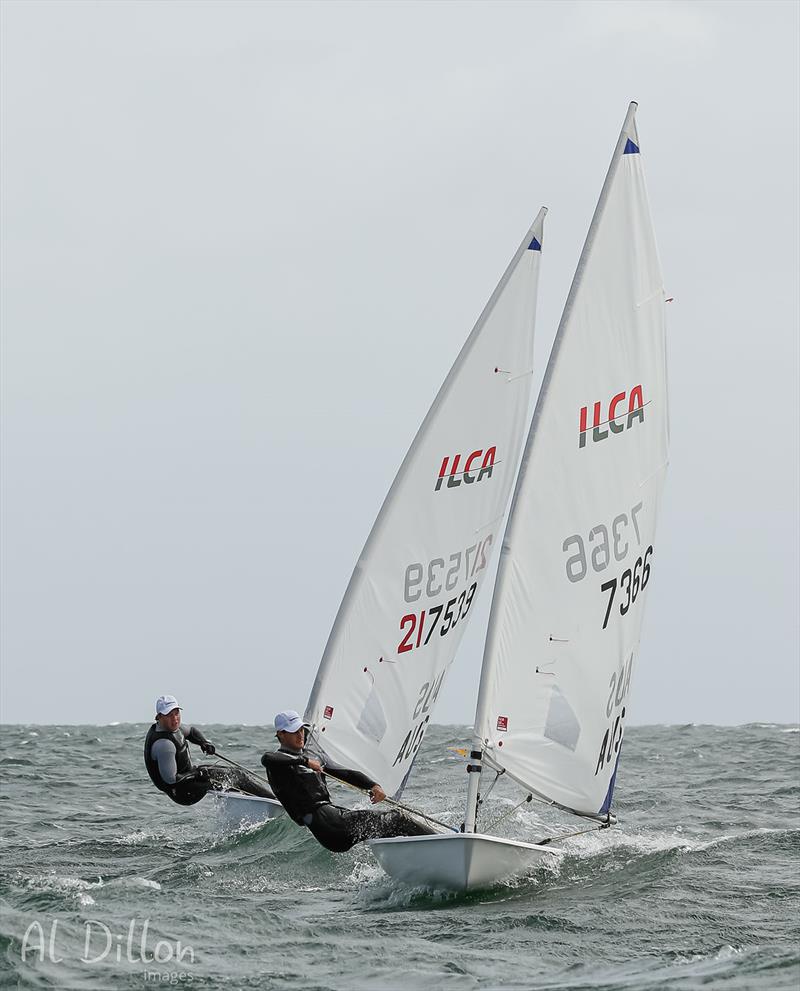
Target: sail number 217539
x=437, y=575
x=419, y=627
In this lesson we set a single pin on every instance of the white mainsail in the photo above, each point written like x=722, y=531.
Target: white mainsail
x=413, y=588
x=579, y=550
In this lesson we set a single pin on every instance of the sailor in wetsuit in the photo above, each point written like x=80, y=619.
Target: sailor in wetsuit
x=166, y=757
x=298, y=781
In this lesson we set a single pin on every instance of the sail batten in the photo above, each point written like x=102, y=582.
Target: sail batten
x=411, y=592
x=579, y=548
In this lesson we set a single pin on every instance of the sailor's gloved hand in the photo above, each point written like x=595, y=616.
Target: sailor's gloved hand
x=208, y=748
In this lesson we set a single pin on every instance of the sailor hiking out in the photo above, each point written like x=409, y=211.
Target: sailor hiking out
x=298, y=780
x=169, y=764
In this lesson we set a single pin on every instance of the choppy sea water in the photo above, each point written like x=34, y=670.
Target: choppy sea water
x=698, y=887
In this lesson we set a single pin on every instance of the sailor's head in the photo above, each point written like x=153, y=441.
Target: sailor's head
x=290, y=729
x=168, y=712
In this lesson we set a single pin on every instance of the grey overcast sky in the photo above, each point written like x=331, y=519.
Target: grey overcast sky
x=243, y=243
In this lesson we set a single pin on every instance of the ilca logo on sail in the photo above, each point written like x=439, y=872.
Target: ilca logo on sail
x=612, y=423
x=471, y=472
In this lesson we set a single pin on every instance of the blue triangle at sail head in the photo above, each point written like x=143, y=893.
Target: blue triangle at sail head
x=534, y=245
x=631, y=148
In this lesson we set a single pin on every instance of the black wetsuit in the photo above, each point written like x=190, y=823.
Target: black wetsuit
x=304, y=794
x=193, y=783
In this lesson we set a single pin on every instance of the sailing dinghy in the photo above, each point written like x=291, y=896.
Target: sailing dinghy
x=578, y=552
x=412, y=592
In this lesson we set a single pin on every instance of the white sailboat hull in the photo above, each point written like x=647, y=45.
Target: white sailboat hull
x=456, y=861
x=236, y=809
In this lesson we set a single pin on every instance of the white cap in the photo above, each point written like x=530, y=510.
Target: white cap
x=288, y=722
x=165, y=704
